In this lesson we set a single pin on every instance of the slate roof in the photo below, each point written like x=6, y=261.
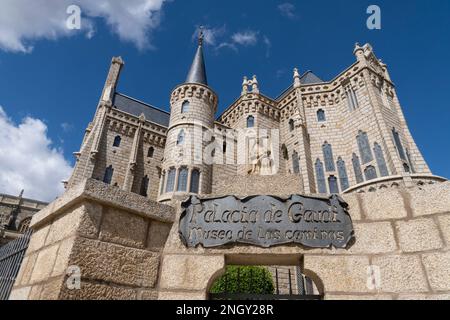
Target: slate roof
x=136, y=108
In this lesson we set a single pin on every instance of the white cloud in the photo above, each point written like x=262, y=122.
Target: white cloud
x=29, y=161
x=268, y=45
x=245, y=38
x=22, y=22
x=288, y=10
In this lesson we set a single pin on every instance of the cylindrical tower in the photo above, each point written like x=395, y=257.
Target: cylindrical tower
x=185, y=168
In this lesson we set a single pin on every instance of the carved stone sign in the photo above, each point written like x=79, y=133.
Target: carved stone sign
x=266, y=221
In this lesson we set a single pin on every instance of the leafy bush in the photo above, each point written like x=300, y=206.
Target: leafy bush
x=244, y=280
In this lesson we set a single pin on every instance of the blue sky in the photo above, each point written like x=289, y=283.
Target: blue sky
x=60, y=80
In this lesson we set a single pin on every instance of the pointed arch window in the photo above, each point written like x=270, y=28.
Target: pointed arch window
x=408, y=155
x=144, y=186
x=109, y=172
x=321, y=117
x=181, y=137
x=333, y=184
x=25, y=225
x=251, y=122
x=163, y=180
x=170, y=180
x=398, y=144
x=182, y=180
x=195, y=181
x=381, y=162
x=295, y=163
x=328, y=156
x=151, y=152
x=343, y=177
x=117, y=141
x=352, y=99
x=364, y=147
x=291, y=125
x=185, y=107
x=371, y=173
x=357, y=169
x=285, y=152
x=320, y=177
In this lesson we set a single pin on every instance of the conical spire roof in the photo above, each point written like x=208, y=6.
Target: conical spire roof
x=197, y=73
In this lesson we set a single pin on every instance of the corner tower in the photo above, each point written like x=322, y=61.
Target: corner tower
x=193, y=106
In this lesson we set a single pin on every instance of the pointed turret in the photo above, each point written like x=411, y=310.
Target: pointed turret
x=197, y=73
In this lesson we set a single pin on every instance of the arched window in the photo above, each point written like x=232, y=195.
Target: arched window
x=332, y=182
x=109, y=172
x=398, y=144
x=117, y=141
x=24, y=225
x=408, y=155
x=381, y=162
x=151, y=152
x=180, y=139
x=170, y=180
x=357, y=169
x=251, y=122
x=321, y=115
x=343, y=177
x=352, y=100
x=320, y=177
x=195, y=181
x=295, y=163
x=370, y=173
x=291, y=125
x=163, y=180
x=285, y=152
x=185, y=107
x=182, y=180
x=144, y=186
x=224, y=147
x=364, y=147
x=328, y=156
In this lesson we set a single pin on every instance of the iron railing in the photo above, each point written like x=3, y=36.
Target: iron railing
x=11, y=256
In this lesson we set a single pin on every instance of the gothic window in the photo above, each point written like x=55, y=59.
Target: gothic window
x=117, y=141
x=295, y=163
x=144, y=186
x=250, y=122
x=408, y=155
x=285, y=152
x=370, y=173
x=320, y=177
x=364, y=147
x=24, y=225
x=151, y=152
x=291, y=125
x=170, y=180
x=398, y=144
x=163, y=180
x=332, y=182
x=195, y=181
x=382, y=167
x=321, y=116
x=185, y=107
x=182, y=179
x=352, y=100
x=224, y=147
x=357, y=169
x=328, y=156
x=180, y=139
x=343, y=177
x=107, y=178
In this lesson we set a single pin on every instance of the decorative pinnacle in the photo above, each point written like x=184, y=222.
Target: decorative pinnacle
x=201, y=36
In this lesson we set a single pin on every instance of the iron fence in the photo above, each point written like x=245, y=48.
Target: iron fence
x=11, y=256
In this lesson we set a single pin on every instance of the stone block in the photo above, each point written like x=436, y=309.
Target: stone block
x=149, y=295
x=373, y=238
x=437, y=266
x=114, y=263
x=444, y=223
x=383, y=205
x=65, y=225
x=400, y=273
x=157, y=235
x=20, y=294
x=35, y=292
x=430, y=199
x=62, y=259
x=51, y=290
x=37, y=240
x=44, y=264
x=189, y=272
x=354, y=208
x=340, y=273
x=418, y=235
x=94, y=291
x=123, y=228
x=26, y=269
x=90, y=221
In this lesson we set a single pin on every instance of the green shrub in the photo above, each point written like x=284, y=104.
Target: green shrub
x=244, y=280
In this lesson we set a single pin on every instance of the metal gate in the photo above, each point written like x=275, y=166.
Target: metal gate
x=304, y=290
x=11, y=256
